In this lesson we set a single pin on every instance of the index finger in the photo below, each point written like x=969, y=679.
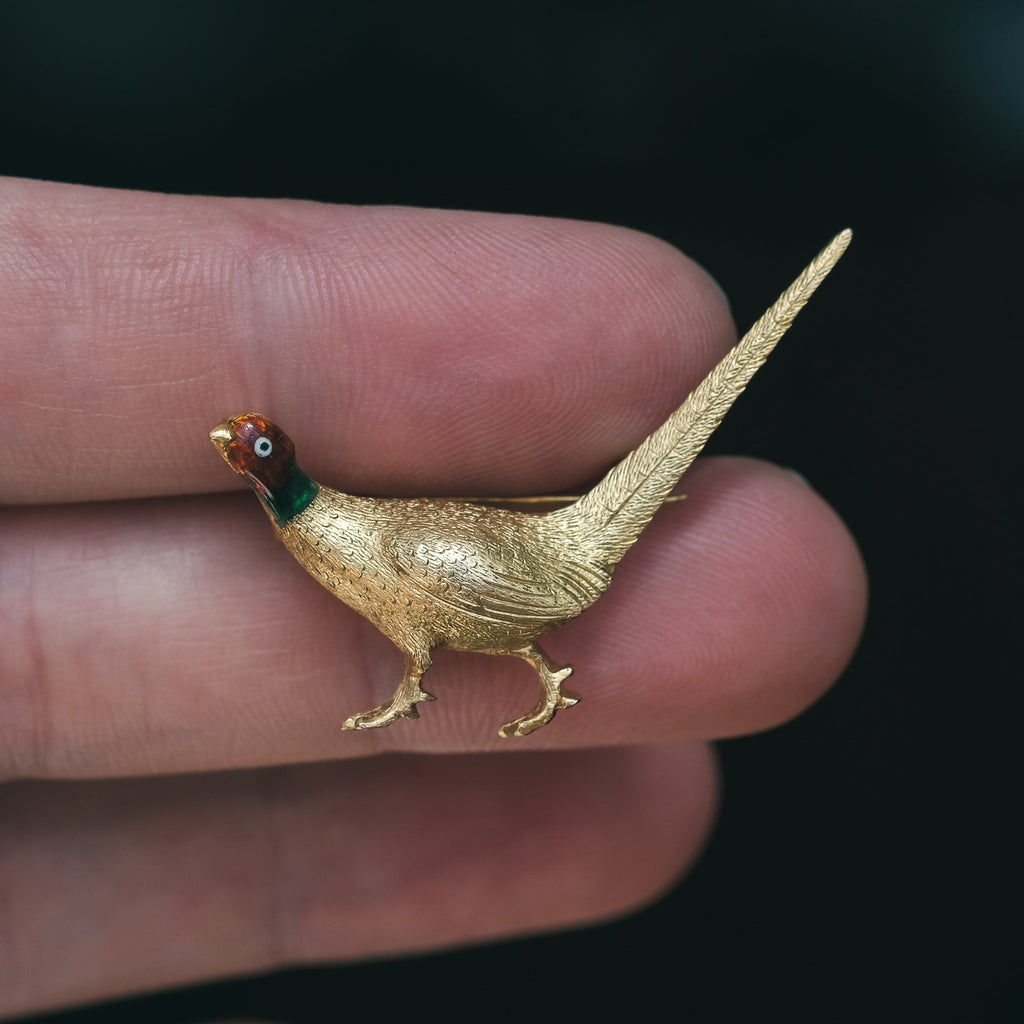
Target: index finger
x=412, y=351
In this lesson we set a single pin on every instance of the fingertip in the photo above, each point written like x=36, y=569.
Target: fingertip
x=554, y=839
x=736, y=610
x=403, y=348
x=677, y=827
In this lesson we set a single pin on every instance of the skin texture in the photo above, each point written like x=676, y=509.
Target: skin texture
x=151, y=625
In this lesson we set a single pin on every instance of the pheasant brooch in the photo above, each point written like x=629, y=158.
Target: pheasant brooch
x=471, y=576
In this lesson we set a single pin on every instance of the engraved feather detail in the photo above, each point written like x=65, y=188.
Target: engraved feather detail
x=610, y=517
x=474, y=576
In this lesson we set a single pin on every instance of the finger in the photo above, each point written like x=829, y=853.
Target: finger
x=406, y=351
x=180, y=636
x=145, y=883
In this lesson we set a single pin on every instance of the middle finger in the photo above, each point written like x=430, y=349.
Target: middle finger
x=177, y=635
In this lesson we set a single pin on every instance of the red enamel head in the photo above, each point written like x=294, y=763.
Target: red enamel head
x=256, y=448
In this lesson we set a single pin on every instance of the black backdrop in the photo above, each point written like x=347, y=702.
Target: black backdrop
x=866, y=862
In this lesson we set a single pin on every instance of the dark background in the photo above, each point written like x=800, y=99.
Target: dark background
x=866, y=864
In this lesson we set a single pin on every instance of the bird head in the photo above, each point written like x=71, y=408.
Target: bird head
x=257, y=449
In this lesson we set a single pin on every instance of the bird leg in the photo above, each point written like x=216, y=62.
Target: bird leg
x=552, y=699
x=404, y=700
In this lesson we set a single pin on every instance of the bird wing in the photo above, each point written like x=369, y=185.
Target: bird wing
x=495, y=566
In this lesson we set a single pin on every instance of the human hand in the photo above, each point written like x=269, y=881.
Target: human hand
x=151, y=626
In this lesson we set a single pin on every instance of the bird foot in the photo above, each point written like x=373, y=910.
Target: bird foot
x=403, y=706
x=541, y=714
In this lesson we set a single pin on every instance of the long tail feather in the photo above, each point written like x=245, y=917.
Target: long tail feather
x=609, y=518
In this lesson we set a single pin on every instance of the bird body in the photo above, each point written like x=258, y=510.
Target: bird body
x=468, y=578
x=434, y=572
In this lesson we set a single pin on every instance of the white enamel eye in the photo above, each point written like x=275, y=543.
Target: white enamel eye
x=263, y=447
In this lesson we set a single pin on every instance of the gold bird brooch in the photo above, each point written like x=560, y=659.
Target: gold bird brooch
x=472, y=576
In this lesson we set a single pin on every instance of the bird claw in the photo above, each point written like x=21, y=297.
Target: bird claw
x=385, y=714
x=539, y=716
x=378, y=718
x=520, y=727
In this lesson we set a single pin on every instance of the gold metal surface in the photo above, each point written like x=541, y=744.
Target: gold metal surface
x=472, y=576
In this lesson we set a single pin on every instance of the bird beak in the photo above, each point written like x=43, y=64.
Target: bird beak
x=221, y=436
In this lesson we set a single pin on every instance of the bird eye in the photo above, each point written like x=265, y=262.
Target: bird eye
x=263, y=447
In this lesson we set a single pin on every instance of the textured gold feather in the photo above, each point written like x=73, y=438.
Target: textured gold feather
x=612, y=515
